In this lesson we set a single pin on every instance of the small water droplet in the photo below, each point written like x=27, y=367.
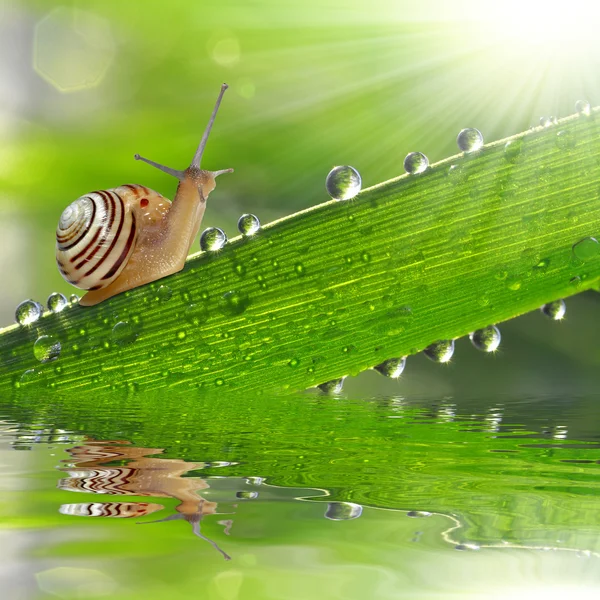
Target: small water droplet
x=486, y=339
x=565, y=140
x=418, y=514
x=164, y=293
x=469, y=139
x=555, y=310
x=74, y=299
x=586, y=249
x=29, y=311
x=583, y=107
x=512, y=149
x=464, y=547
x=545, y=121
x=457, y=174
x=46, y=348
x=365, y=257
x=392, y=367
x=212, y=239
x=343, y=183
x=334, y=386
x=57, y=302
x=32, y=377
x=299, y=268
x=248, y=224
x=181, y=334
x=441, y=351
x=576, y=281
x=122, y=334
x=246, y=495
x=343, y=511
x=234, y=302
x=240, y=269
x=415, y=162
x=513, y=283
x=219, y=382
x=293, y=363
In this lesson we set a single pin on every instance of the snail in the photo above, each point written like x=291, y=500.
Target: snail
x=110, y=241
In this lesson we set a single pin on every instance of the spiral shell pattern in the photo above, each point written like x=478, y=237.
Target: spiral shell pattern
x=95, y=237
x=119, y=510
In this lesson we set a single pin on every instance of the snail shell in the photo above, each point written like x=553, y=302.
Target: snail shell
x=98, y=232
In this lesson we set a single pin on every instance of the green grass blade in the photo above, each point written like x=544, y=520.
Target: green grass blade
x=343, y=286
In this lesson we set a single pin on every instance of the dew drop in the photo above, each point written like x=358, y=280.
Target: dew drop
x=343, y=183
x=586, y=249
x=46, y=348
x=29, y=311
x=441, y=351
x=212, y=239
x=73, y=299
x=293, y=363
x=122, y=334
x=240, y=269
x=392, y=367
x=464, y=547
x=57, y=302
x=486, y=339
x=415, y=162
x=545, y=121
x=457, y=174
x=299, y=268
x=418, y=514
x=555, y=310
x=334, y=386
x=469, y=140
x=513, y=283
x=246, y=495
x=583, y=107
x=565, y=140
x=219, y=382
x=164, y=293
x=234, y=302
x=343, y=511
x=512, y=149
x=248, y=224
x=33, y=377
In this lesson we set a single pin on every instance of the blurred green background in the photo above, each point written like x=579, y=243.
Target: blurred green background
x=85, y=85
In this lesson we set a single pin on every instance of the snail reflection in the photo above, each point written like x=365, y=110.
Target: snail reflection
x=115, y=468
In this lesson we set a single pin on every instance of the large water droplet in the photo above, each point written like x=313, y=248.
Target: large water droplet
x=469, y=140
x=587, y=249
x=334, y=386
x=343, y=511
x=248, y=224
x=343, y=182
x=583, y=107
x=235, y=302
x=46, y=348
x=512, y=149
x=415, y=162
x=29, y=311
x=164, y=293
x=441, y=351
x=392, y=367
x=212, y=239
x=123, y=334
x=57, y=302
x=555, y=310
x=486, y=339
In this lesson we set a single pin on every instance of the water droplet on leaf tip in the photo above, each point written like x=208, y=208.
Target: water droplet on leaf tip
x=343, y=511
x=392, y=367
x=469, y=140
x=554, y=310
x=486, y=339
x=248, y=224
x=415, y=162
x=343, y=182
x=440, y=351
x=334, y=386
x=212, y=239
x=27, y=312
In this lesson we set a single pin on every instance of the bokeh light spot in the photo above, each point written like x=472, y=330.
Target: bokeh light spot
x=72, y=49
x=224, y=49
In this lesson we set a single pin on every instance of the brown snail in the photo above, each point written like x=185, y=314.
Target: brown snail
x=110, y=241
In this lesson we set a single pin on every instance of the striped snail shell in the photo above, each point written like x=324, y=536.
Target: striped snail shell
x=97, y=234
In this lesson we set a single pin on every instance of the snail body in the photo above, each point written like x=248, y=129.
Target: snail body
x=110, y=241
